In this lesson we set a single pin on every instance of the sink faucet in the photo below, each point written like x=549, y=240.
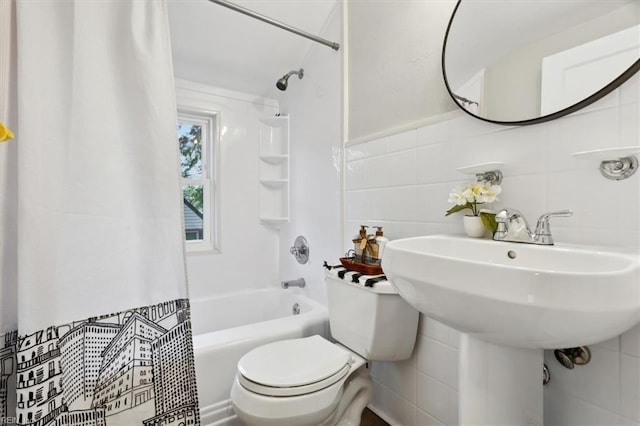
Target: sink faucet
x=512, y=226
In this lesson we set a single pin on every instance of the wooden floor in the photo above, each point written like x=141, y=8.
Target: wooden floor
x=369, y=418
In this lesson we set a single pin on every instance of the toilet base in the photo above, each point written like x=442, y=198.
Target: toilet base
x=341, y=404
x=322, y=417
x=357, y=394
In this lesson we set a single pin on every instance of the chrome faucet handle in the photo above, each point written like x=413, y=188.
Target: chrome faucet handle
x=507, y=214
x=512, y=226
x=543, y=230
x=502, y=219
x=300, y=249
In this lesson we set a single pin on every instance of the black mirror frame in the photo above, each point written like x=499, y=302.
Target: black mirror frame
x=617, y=82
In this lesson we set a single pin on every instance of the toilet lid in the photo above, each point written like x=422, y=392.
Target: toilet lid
x=295, y=363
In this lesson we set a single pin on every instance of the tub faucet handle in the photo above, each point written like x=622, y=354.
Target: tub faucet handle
x=295, y=250
x=300, y=249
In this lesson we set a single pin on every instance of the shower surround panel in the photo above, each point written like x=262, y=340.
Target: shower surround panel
x=132, y=367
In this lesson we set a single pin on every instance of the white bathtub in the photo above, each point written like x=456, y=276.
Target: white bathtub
x=228, y=326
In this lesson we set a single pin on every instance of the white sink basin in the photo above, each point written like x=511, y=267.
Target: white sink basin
x=518, y=295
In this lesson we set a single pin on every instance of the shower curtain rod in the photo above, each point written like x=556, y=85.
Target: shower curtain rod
x=225, y=3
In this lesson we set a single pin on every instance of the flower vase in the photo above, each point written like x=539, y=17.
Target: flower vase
x=473, y=226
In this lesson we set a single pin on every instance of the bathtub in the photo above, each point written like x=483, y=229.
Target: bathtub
x=228, y=326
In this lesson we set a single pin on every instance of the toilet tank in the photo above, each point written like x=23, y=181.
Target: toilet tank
x=375, y=322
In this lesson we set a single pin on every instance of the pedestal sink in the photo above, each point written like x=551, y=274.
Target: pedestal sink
x=511, y=301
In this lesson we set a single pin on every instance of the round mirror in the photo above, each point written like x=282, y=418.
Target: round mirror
x=528, y=61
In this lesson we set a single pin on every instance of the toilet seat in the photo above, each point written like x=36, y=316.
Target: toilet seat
x=294, y=367
x=295, y=390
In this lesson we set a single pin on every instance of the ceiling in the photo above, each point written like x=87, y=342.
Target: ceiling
x=217, y=46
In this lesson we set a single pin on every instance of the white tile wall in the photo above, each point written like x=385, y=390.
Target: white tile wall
x=213, y=273
x=316, y=158
x=402, y=183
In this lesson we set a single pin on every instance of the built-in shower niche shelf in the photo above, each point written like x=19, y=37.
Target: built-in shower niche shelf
x=274, y=221
x=274, y=183
x=274, y=201
x=274, y=136
x=277, y=121
x=274, y=170
x=274, y=159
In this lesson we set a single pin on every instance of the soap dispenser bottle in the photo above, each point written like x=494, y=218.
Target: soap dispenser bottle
x=370, y=254
x=357, y=242
x=381, y=240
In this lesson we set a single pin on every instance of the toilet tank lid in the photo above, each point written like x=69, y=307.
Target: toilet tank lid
x=294, y=362
x=381, y=285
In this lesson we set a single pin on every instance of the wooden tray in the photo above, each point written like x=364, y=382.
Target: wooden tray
x=362, y=268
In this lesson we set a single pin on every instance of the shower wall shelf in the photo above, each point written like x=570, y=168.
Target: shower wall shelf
x=616, y=163
x=274, y=183
x=274, y=159
x=487, y=172
x=274, y=170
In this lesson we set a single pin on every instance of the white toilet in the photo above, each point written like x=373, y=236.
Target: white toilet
x=311, y=381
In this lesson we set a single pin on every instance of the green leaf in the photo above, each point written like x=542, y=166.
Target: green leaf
x=458, y=208
x=489, y=221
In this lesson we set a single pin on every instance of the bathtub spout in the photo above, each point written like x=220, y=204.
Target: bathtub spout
x=293, y=283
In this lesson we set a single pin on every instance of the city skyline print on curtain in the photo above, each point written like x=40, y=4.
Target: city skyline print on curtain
x=133, y=367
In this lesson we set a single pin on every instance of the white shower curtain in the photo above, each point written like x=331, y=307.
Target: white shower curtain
x=103, y=333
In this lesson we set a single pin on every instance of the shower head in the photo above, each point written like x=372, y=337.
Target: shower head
x=284, y=81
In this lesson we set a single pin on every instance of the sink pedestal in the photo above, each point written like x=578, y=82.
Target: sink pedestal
x=499, y=385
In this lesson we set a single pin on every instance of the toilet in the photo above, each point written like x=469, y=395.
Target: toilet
x=313, y=381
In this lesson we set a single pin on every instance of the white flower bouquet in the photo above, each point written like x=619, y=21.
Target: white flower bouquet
x=471, y=195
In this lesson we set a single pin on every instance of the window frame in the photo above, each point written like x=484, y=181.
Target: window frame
x=210, y=122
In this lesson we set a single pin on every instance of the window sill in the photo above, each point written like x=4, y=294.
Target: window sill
x=200, y=248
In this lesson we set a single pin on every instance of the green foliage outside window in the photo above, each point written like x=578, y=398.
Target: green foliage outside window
x=190, y=141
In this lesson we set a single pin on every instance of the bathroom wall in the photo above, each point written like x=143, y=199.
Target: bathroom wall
x=314, y=105
x=400, y=164
x=394, y=75
x=402, y=182
x=247, y=254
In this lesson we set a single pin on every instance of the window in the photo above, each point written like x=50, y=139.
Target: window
x=197, y=140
